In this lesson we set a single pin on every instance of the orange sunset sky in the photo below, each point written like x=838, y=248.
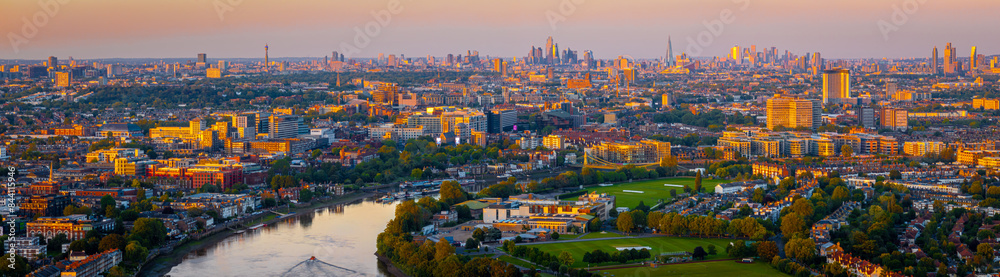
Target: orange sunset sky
x=87, y=29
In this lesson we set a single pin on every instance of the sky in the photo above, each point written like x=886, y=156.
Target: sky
x=92, y=29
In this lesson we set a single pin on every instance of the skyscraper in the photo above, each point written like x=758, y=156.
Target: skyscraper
x=934, y=61
x=736, y=54
x=973, y=62
x=549, y=46
x=202, y=58
x=266, y=61
x=949, y=59
x=53, y=62
x=792, y=113
x=669, y=60
x=836, y=85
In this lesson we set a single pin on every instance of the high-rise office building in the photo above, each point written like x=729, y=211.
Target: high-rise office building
x=63, y=79
x=497, y=65
x=668, y=61
x=973, y=62
x=836, y=85
x=666, y=100
x=283, y=126
x=548, y=50
x=895, y=119
x=950, y=67
x=792, y=113
x=53, y=62
x=736, y=54
x=934, y=61
x=202, y=58
x=867, y=116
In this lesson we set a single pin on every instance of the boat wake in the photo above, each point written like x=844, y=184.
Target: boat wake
x=315, y=267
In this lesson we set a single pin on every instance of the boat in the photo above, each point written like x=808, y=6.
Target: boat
x=255, y=227
x=387, y=199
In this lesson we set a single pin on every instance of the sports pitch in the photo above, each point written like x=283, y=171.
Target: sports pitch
x=707, y=269
x=649, y=191
x=657, y=244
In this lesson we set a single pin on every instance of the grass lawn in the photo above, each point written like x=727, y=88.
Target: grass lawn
x=720, y=268
x=658, y=244
x=652, y=190
x=597, y=235
x=568, y=236
x=516, y=261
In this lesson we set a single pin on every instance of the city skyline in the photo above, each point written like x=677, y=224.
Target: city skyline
x=842, y=30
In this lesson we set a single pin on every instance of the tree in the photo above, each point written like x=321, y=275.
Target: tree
x=148, y=230
x=19, y=268
x=55, y=244
x=479, y=234
x=305, y=195
x=846, y=150
x=471, y=243
x=555, y=236
x=673, y=193
x=135, y=253
x=117, y=271
x=452, y=193
x=112, y=241
x=697, y=182
x=625, y=223
x=803, y=249
x=803, y=207
x=416, y=173
x=566, y=258
x=711, y=250
x=767, y=250
x=699, y=253
x=791, y=224
x=106, y=201
x=443, y=249
x=895, y=175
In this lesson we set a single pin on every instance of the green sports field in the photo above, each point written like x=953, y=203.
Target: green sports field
x=708, y=269
x=658, y=245
x=651, y=190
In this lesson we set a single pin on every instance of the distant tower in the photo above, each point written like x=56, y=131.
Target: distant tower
x=265, y=58
x=338, y=78
x=670, y=53
x=973, y=62
x=934, y=61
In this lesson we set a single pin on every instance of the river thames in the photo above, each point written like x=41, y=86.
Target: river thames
x=341, y=237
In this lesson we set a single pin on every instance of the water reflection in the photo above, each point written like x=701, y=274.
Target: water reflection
x=344, y=237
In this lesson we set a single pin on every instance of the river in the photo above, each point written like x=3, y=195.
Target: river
x=341, y=237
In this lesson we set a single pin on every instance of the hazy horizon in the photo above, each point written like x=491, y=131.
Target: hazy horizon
x=233, y=29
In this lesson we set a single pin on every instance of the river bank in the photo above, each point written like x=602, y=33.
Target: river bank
x=162, y=264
